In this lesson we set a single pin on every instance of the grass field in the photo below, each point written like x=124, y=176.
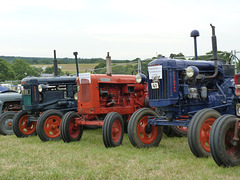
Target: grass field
x=30, y=158
x=71, y=68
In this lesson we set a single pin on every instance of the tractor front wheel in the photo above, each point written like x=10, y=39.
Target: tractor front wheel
x=48, y=125
x=140, y=133
x=225, y=150
x=113, y=129
x=6, y=121
x=199, y=131
x=22, y=127
x=70, y=131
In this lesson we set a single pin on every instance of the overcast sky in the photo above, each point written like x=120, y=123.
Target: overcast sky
x=126, y=28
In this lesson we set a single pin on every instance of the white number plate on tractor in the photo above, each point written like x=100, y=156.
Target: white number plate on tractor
x=154, y=85
x=155, y=72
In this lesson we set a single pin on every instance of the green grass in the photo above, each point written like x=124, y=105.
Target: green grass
x=30, y=158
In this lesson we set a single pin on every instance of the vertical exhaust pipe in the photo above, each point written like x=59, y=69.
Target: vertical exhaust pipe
x=214, y=49
x=76, y=61
x=109, y=66
x=55, y=65
x=195, y=34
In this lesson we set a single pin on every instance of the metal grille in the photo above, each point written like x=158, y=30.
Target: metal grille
x=164, y=86
x=85, y=93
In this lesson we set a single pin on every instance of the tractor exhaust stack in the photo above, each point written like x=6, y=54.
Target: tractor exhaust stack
x=108, y=63
x=55, y=65
x=76, y=60
x=214, y=49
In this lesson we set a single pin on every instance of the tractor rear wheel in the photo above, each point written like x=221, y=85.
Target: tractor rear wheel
x=113, y=129
x=70, y=131
x=199, y=131
x=140, y=133
x=48, y=125
x=225, y=151
x=6, y=121
x=21, y=126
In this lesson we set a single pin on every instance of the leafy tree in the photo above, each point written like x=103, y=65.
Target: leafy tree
x=158, y=56
x=177, y=56
x=23, y=69
x=34, y=61
x=46, y=61
x=100, y=65
x=50, y=70
x=6, y=71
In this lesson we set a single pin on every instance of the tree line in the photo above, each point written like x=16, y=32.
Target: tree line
x=223, y=57
x=39, y=60
x=20, y=69
x=17, y=69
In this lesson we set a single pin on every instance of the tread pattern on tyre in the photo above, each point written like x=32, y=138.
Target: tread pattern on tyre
x=194, y=132
x=132, y=128
x=40, y=124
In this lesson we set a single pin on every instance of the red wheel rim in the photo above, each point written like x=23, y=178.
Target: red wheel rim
x=10, y=124
x=205, y=132
x=182, y=128
x=230, y=149
x=74, y=130
x=116, y=131
x=52, y=126
x=144, y=136
x=25, y=127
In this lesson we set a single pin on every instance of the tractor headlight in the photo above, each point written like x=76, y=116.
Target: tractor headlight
x=192, y=71
x=76, y=96
x=140, y=78
x=42, y=87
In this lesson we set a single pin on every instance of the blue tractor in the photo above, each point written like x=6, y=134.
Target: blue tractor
x=183, y=93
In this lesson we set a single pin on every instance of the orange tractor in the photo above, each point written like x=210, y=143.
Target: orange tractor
x=107, y=101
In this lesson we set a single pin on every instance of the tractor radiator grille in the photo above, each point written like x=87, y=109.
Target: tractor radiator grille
x=85, y=93
x=164, y=86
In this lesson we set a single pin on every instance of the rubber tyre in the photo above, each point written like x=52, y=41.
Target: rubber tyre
x=221, y=135
x=199, y=131
x=6, y=121
x=174, y=131
x=69, y=132
x=137, y=127
x=20, y=126
x=113, y=129
x=48, y=125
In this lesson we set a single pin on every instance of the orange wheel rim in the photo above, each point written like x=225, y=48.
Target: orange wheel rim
x=52, y=126
x=205, y=132
x=147, y=134
x=26, y=127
